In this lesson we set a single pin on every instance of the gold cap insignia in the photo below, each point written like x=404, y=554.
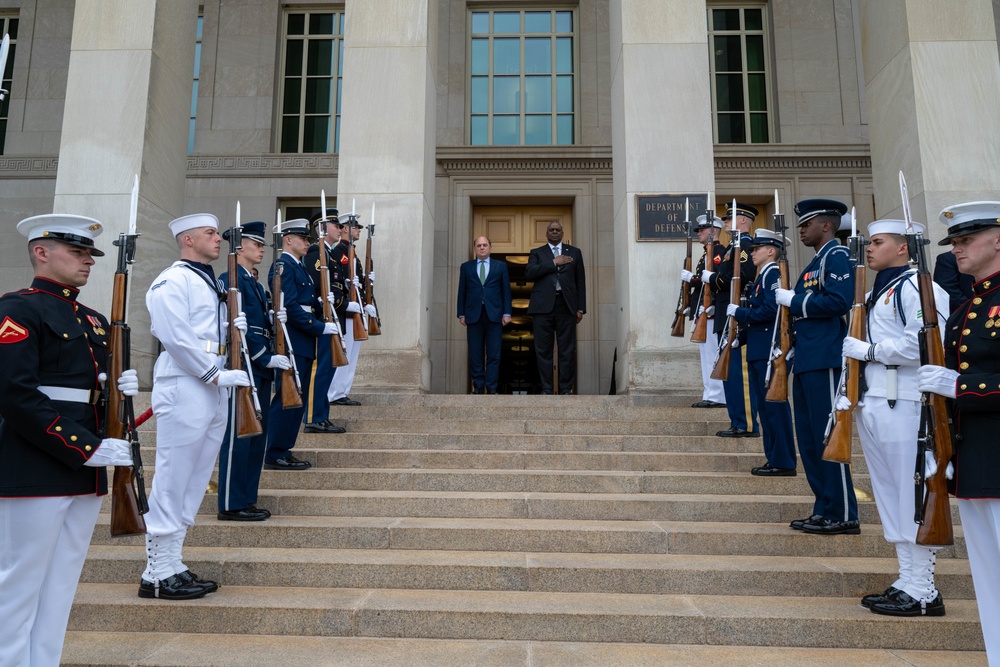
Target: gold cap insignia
x=94, y=227
x=45, y=233
x=65, y=292
x=948, y=214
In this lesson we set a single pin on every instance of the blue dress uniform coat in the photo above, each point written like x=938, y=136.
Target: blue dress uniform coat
x=317, y=403
x=241, y=459
x=775, y=416
x=824, y=294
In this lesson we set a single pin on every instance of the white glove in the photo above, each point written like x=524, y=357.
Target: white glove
x=128, y=383
x=790, y=355
x=937, y=379
x=686, y=276
x=331, y=328
x=706, y=275
x=371, y=276
x=280, y=362
x=331, y=299
x=776, y=352
x=370, y=310
x=731, y=309
x=353, y=307
x=240, y=322
x=931, y=468
x=710, y=311
x=282, y=315
x=736, y=343
x=842, y=403
x=686, y=310
x=357, y=283
x=233, y=379
x=857, y=349
x=784, y=296
x=111, y=452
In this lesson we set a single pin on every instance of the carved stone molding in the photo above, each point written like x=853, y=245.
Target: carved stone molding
x=519, y=159
x=28, y=166
x=271, y=165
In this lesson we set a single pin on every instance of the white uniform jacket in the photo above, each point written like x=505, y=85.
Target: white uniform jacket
x=187, y=315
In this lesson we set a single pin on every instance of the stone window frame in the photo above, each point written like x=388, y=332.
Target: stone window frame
x=197, y=78
x=474, y=114
x=766, y=72
x=6, y=20
x=336, y=78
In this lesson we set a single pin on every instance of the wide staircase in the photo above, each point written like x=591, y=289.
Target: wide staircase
x=530, y=531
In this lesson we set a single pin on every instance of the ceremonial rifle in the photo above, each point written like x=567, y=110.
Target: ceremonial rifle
x=839, y=428
x=247, y=406
x=683, y=299
x=933, y=511
x=721, y=369
x=699, y=334
x=128, y=487
x=374, y=325
x=289, y=386
x=777, y=378
x=338, y=353
x=357, y=319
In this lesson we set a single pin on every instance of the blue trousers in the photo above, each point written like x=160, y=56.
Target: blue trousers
x=241, y=459
x=812, y=394
x=484, y=342
x=740, y=403
x=283, y=425
x=775, y=419
x=320, y=376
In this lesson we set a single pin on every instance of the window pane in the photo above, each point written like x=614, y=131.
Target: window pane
x=296, y=24
x=564, y=128
x=754, y=19
x=320, y=57
x=506, y=56
x=728, y=57
x=506, y=130
x=316, y=134
x=564, y=55
x=731, y=128
x=758, y=128
x=757, y=92
x=340, y=57
x=755, y=53
x=318, y=96
x=537, y=55
x=198, y=33
x=190, y=134
x=340, y=31
x=290, y=134
x=194, y=99
x=564, y=21
x=479, y=95
x=538, y=130
x=564, y=93
x=726, y=19
x=506, y=22
x=479, y=130
x=729, y=92
x=336, y=138
x=537, y=95
x=506, y=94
x=321, y=24
x=538, y=22
x=12, y=28
x=293, y=57
x=480, y=56
x=480, y=23
x=340, y=93
x=292, y=96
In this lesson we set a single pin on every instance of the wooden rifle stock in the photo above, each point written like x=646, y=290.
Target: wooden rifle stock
x=777, y=388
x=721, y=369
x=700, y=332
x=291, y=396
x=338, y=354
x=247, y=419
x=374, y=327
x=357, y=319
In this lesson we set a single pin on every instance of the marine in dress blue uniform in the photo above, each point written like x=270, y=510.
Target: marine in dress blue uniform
x=758, y=317
x=52, y=456
x=822, y=297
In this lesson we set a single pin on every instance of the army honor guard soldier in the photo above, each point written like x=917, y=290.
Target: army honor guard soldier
x=53, y=350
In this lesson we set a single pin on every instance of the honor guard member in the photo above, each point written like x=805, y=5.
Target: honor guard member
x=53, y=350
x=739, y=403
x=822, y=297
x=241, y=459
x=713, y=394
x=343, y=379
x=304, y=329
x=972, y=379
x=758, y=318
x=888, y=416
x=188, y=315
x=317, y=415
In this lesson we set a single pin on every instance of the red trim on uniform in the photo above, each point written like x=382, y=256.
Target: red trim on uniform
x=57, y=435
x=12, y=332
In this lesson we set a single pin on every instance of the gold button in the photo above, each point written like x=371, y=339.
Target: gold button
x=982, y=386
x=65, y=335
x=977, y=301
x=964, y=365
x=58, y=428
x=88, y=448
x=972, y=316
x=964, y=348
x=72, y=438
x=963, y=386
x=966, y=332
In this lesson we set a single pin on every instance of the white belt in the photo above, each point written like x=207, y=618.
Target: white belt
x=212, y=347
x=71, y=395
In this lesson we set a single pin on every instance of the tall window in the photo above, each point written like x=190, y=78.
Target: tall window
x=522, y=88
x=8, y=26
x=194, y=87
x=311, y=82
x=741, y=89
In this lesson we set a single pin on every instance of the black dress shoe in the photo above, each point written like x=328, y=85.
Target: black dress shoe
x=193, y=579
x=708, y=404
x=901, y=604
x=767, y=470
x=868, y=600
x=830, y=527
x=735, y=432
x=267, y=512
x=798, y=524
x=288, y=463
x=173, y=587
x=245, y=514
x=324, y=427
x=344, y=400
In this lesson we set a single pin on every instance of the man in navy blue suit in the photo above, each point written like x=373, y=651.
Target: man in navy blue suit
x=484, y=309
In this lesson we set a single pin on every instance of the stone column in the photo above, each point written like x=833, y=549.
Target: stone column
x=127, y=99
x=387, y=156
x=933, y=80
x=661, y=143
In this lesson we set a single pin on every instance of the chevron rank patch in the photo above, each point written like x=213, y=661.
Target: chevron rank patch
x=12, y=332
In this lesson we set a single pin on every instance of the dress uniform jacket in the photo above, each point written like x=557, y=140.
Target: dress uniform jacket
x=723, y=278
x=300, y=296
x=972, y=347
x=338, y=262
x=824, y=294
x=48, y=339
x=758, y=315
x=255, y=306
x=718, y=252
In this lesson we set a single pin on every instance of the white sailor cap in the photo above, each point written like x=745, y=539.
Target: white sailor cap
x=893, y=227
x=193, y=221
x=76, y=230
x=298, y=226
x=969, y=217
x=762, y=237
x=703, y=224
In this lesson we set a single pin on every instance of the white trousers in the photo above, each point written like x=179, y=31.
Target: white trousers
x=709, y=350
x=981, y=527
x=190, y=424
x=889, y=441
x=43, y=543
x=343, y=377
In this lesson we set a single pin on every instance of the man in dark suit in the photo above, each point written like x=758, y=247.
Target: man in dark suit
x=558, y=302
x=484, y=309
